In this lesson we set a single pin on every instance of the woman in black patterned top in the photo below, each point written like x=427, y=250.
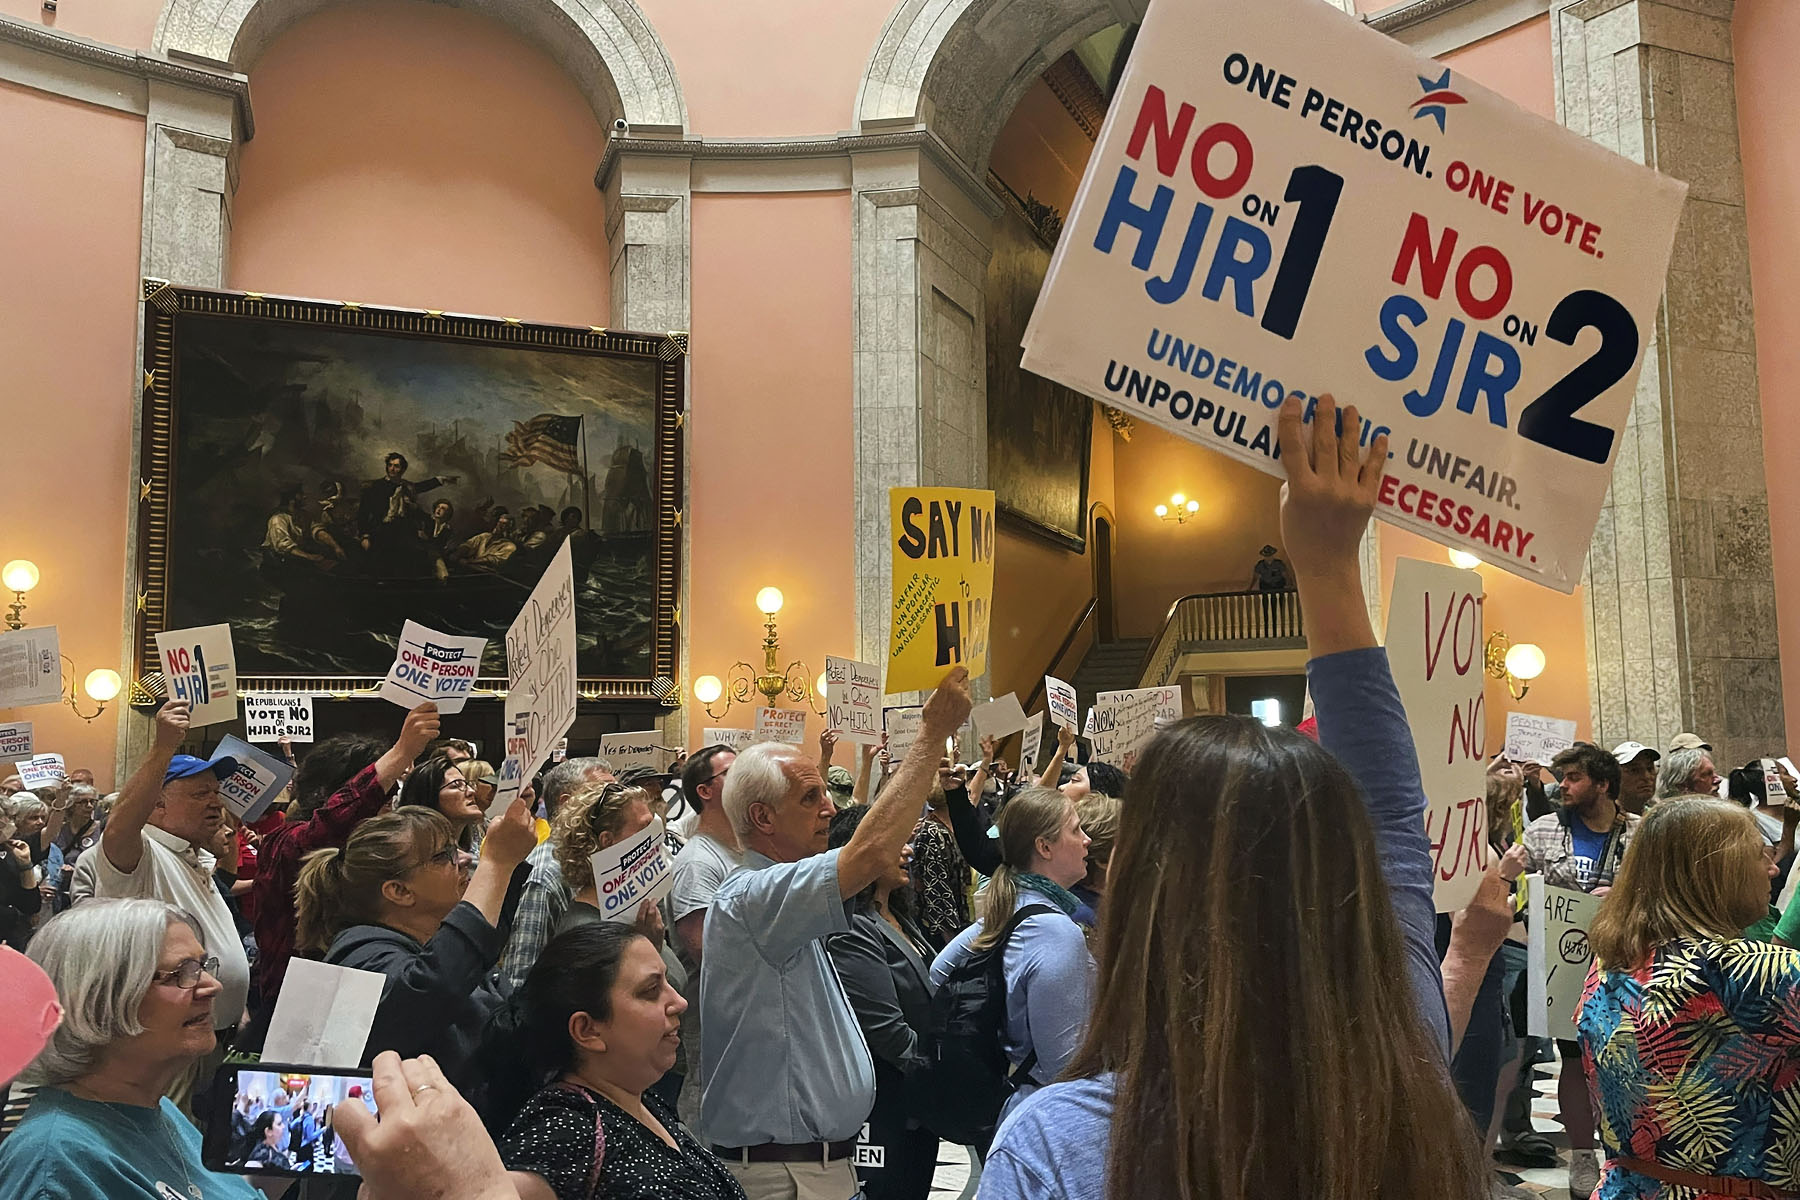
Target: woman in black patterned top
x=568, y=1065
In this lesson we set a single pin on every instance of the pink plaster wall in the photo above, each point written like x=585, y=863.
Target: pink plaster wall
x=770, y=450
x=416, y=154
x=127, y=23
x=1766, y=44
x=1515, y=63
x=69, y=215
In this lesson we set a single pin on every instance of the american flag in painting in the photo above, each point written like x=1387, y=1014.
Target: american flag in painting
x=552, y=440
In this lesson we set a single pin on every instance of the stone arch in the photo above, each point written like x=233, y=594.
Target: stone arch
x=607, y=47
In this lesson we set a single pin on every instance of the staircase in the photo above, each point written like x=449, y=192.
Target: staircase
x=1108, y=667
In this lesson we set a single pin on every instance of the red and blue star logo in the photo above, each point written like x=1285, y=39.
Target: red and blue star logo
x=1438, y=95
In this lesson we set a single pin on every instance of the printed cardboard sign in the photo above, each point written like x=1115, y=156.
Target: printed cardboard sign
x=540, y=672
x=271, y=716
x=30, y=667
x=428, y=665
x=259, y=778
x=737, y=739
x=1558, y=957
x=42, y=770
x=1060, y=697
x=1030, y=742
x=853, y=700
x=200, y=667
x=1124, y=722
x=903, y=725
x=943, y=550
x=1537, y=739
x=1434, y=645
x=634, y=872
x=780, y=725
x=1772, y=785
x=636, y=748
x=15, y=741
x=1284, y=200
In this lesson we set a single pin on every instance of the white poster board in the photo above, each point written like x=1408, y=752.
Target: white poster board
x=434, y=666
x=42, y=770
x=323, y=1014
x=998, y=718
x=1060, y=698
x=635, y=748
x=540, y=672
x=1531, y=739
x=780, y=725
x=1435, y=646
x=736, y=739
x=1124, y=722
x=1558, y=957
x=199, y=666
x=853, y=700
x=1283, y=199
x=15, y=741
x=902, y=724
x=634, y=872
x=259, y=778
x=271, y=716
x=30, y=667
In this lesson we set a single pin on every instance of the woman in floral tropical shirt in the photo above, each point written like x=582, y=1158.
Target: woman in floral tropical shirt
x=1691, y=1032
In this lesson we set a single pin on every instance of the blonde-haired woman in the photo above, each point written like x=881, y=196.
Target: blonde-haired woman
x=596, y=817
x=1048, y=970
x=1691, y=1032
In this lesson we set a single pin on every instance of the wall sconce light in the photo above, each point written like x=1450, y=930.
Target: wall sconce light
x=20, y=576
x=1517, y=663
x=742, y=680
x=101, y=685
x=1463, y=559
x=1179, y=509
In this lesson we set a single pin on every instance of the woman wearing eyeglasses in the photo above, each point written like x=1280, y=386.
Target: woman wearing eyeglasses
x=137, y=988
x=437, y=785
x=393, y=901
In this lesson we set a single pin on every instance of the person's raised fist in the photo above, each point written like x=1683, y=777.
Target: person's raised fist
x=419, y=730
x=513, y=836
x=172, y=723
x=949, y=706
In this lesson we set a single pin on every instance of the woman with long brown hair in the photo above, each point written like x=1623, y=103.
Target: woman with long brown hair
x=1270, y=1018
x=1691, y=1032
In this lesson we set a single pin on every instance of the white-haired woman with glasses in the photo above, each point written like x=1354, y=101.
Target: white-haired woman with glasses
x=136, y=986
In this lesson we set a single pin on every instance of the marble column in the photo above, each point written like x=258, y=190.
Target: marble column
x=1680, y=592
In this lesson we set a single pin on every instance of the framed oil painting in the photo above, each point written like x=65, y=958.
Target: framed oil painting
x=1038, y=432
x=317, y=473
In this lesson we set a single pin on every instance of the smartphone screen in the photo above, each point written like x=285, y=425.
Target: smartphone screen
x=276, y=1119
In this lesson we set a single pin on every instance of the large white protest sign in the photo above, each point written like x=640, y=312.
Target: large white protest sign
x=1124, y=722
x=853, y=700
x=540, y=669
x=902, y=724
x=634, y=872
x=1434, y=644
x=200, y=667
x=271, y=716
x=1060, y=697
x=1283, y=199
x=1532, y=739
x=15, y=741
x=636, y=748
x=259, y=778
x=1557, y=957
x=998, y=718
x=780, y=725
x=434, y=666
x=42, y=770
x=30, y=667
x=736, y=739
x=323, y=1014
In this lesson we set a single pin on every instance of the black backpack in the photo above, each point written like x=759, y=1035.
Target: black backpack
x=970, y=1079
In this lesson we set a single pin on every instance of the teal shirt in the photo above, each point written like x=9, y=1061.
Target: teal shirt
x=67, y=1148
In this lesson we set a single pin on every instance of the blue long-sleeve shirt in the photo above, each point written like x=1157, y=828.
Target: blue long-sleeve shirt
x=1054, y=1146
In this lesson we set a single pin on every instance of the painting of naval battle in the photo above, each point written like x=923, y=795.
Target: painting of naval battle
x=331, y=471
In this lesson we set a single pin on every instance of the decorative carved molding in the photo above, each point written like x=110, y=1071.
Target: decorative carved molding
x=129, y=62
x=1068, y=77
x=1413, y=12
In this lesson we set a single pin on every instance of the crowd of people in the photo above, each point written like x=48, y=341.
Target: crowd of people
x=1221, y=976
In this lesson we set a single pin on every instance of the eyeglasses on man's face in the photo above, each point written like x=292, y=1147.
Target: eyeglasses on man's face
x=186, y=973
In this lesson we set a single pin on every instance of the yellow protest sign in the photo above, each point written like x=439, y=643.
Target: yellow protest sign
x=943, y=548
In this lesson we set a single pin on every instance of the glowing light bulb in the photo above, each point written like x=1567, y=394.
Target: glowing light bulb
x=102, y=684
x=1178, y=500
x=707, y=689
x=19, y=575
x=1525, y=661
x=819, y=687
x=1463, y=559
x=769, y=601
x=1193, y=506
x=1162, y=510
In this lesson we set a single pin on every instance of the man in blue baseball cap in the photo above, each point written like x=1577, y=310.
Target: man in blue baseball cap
x=157, y=846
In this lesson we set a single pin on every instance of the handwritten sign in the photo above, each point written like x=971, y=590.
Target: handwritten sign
x=637, y=871
x=1537, y=739
x=429, y=665
x=1558, y=957
x=15, y=740
x=42, y=770
x=540, y=671
x=1124, y=722
x=259, y=778
x=1435, y=646
x=271, y=716
x=1030, y=741
x=736, y=739
x=1060, y=697
x=30, y=667
x=200, y=667
x=997, y=718
x=942, y=541
x=853, y=700
x=1284, y=200
x=903, y=725
x=780, y=725
x=636, y=748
